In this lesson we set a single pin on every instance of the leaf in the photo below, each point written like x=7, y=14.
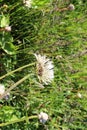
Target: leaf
x=4, y=21
x=8, y=113
x=13, y=118
x=7, y=109
x=6, y=44
x=9, y=48
x=40, y=3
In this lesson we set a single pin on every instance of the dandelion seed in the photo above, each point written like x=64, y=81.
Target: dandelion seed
x=43, y=117
x=44, y=69
x=2, y=89
x=27, y=3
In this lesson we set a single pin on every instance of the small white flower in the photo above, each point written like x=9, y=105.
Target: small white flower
x=2, y=89
x=44, y=69
x=43, y=117
x=71, y=7
x=79, y=95
x=27, y=3
x=8, y=28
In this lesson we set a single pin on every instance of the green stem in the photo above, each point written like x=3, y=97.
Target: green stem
x=13, y=86
x=18, y=69
x=18, y=120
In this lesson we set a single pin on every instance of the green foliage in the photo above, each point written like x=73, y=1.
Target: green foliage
x=6, y=40
x=62, y=37
x=4, y=21
x=6, y=43
x=8, y=113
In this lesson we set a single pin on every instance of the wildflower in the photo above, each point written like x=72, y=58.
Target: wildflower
x=2, y=89
x=27, y=3
x=79, y=95
x=71, y=7
x=5, y=6
x=44, y=69
x=43, y=117
x=8, y=28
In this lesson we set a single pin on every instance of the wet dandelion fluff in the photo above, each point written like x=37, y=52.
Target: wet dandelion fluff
x=45, y=70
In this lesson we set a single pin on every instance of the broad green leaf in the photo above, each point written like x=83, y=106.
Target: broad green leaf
x=4, y=21
x=6, y=43
x=13, y=118
x=9, y=48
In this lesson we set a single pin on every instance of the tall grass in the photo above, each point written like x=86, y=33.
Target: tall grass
x=61, y=36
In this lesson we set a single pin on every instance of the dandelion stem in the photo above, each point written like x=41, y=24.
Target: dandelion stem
x=18, y=120
x=14, y=85
x=18, y=69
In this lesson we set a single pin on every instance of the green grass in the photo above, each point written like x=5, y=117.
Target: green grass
x=61, y=36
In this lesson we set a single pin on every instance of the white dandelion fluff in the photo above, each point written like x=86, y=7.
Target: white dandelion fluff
x=8, y=28
x=2, y=89
x=43, y=117
x=71, y=7
x=79, y=95
x=45, y=70
x=27, y=3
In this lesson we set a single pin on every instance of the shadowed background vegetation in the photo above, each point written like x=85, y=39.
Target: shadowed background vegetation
x=61, y=36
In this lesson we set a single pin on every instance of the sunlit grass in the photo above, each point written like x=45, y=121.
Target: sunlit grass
x=61, y=36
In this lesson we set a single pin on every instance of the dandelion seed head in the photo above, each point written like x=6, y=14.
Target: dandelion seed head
x=44, y=69
x=71, y=7
x=27, y=3
x=2, y=89
x=8, y=28
x=5, y=6
x=79, y=95
x=43, y=117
